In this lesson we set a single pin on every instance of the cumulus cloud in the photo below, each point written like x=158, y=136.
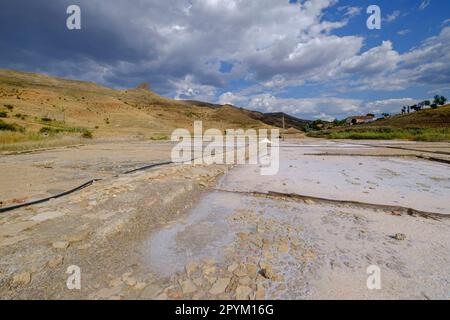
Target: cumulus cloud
x=164, y=43
x=179, y=47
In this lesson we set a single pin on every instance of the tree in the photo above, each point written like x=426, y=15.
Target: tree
x=439, y=100
x=317, y=124
x=387, y=115
x=371, y=115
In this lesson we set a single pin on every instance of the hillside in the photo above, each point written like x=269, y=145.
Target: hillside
x=36, y=109
x=424, y=125
x=428, y=118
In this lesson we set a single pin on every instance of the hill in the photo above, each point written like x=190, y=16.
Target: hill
x=424, y=125
x=36, y=109
x=427, y=118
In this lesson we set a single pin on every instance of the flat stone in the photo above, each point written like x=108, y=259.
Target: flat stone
x=191, y=267
x=47, y=216
x=219, y=286
x=151, y=292
x=60, y=244
x=128, y=279
x=283, y=247
x=232, y=267
x=115, y=282
x=208, y=269
x=260, y=292
x=106, y=293
x=140, y=286
x=21, y=279
x=55, y=262
x=245, y=280
x=243, y=292
x=188, y=287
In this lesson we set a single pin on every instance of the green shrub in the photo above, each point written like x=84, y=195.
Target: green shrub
x=87, y=134
x=3, y=114
x=45, y=119
x=10, y=127
x=9, y=106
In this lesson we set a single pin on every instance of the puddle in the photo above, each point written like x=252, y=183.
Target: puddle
x=200, y=236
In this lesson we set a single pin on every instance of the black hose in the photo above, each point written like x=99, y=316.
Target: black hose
x=84, y=185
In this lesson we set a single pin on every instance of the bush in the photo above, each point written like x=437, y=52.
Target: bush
x=87, y=134
x=9, y=106
x=45, y=119
x=10, y=127
x=3, y=114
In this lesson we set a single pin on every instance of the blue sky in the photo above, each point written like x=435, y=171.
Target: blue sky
x=309, y=58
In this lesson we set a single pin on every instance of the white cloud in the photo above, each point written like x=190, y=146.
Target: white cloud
x=189, y=89
x=391, y=106
x=393, y=16
x=424, y=4
x=403, y=32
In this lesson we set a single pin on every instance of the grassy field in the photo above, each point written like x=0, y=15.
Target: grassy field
x=382, y=133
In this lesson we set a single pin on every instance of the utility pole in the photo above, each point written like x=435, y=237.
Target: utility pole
x=284, y=128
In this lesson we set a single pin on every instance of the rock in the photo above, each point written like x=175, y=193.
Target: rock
x=128, y=279
x=77, y=237
x=21, y=279
x=208, y=269
x=115, y=282
x=232, y=267
x=309, y=201
x=267, y=271
x=198, y=281
x=187, y=287
x=243, y=292
x=219, y=286
x=191, y=267
x=252, y=269
x=140, y=286
x=399, y=236
x=151, y=292
x=106, y=293
x=47, y=216
x=240, y=272
x=260, y=292
x=60, y=244
x=283, y=247
x=55, y=262
x=245, y=280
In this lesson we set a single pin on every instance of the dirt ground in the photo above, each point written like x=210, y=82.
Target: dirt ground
x=219, y=232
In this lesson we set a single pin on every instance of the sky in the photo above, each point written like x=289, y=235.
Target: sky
x=314, y=59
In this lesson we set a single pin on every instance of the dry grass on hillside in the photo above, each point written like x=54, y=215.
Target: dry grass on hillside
x=43, y=108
